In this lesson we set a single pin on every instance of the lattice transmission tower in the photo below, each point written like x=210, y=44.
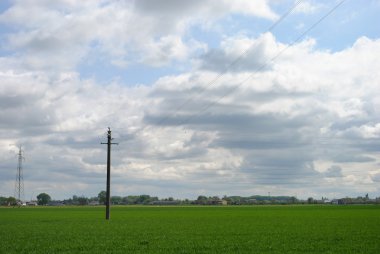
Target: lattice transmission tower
x=19, y=184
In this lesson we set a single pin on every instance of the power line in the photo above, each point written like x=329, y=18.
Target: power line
x=230, y=65
x=263, y=66
x=317, y=180
x=281, y=52
x=212, y=103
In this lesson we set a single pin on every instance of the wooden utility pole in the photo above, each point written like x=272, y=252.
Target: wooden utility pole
x=108, y=194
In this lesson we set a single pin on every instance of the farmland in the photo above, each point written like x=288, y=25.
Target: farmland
x=192, y=229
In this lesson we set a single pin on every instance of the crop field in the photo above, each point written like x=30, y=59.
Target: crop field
x=193, y=229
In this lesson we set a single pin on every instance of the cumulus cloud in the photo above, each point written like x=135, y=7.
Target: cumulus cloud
x=169, y=48
x=242, y=132
x=241, y=54
x=264, y=133
x=211, y=8
x=282, y=120
x=64, y=33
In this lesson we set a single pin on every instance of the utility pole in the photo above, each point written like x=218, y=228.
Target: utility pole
x=108, y=195
x=19, y=185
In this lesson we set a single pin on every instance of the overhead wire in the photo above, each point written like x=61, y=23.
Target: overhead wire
x=281, y=52
x=328, y=140
x=230, y=65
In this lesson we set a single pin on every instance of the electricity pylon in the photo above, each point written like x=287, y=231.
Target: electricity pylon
x=19, y=184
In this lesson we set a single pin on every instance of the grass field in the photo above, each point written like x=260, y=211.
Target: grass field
x=255, y=229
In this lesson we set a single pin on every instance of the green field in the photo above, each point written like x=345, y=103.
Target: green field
x=254, y=229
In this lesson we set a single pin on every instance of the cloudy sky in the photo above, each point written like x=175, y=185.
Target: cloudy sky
x=205, y=97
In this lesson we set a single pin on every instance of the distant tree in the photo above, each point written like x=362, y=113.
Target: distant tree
x=154, y=199
x=202, y=200
x=102, y=197
x=93, y=199
x=143, y=199
x=3, y=201
x=68, y=201
x=116, y=200
x=293, y=200
x=43, y=198
x=82, y=200
x=11, y=201
x=310, y=200
x=75, y=200
x=236, y=200
x=130, y=200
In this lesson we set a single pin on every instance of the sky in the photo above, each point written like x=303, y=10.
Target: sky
x=204, y=97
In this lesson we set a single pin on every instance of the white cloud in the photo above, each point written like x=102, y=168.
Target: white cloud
x=308, y=7
x=370, y=130
x=59, y=35
x=284, y=108
x=276, y=130
x=168, y=48
x=241, y=54
x=263, y=133
x=203, y=9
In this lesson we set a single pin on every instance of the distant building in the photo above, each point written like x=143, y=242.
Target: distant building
x=340, y=201
x=31, y=203
x=217, y=202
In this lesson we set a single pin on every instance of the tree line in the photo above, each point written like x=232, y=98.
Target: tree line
x=100, y=199
x=42, y=199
